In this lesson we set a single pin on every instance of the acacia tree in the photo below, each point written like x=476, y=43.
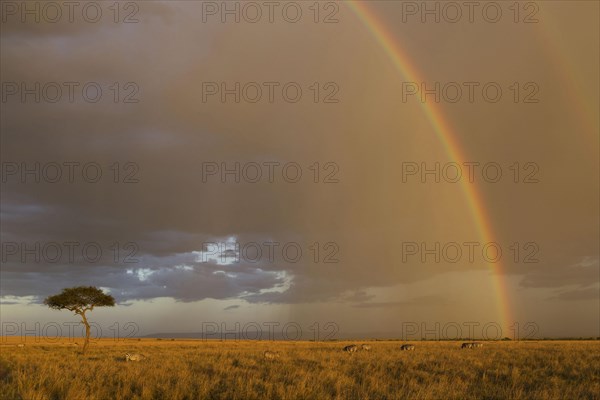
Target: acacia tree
x=80, y=300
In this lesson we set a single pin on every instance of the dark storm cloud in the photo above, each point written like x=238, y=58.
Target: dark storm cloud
x=358, y=296
x=171, y=213
x=304, y=288
x=67, y=19
x=579, y=294
x=189, y=282
x=417, y=301
x=583, y=273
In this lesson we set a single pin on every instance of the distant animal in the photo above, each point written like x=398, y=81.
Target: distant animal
x=471, y=345
x=271, y=355
x=407, y=347
x=351, y=348
x=21, y=345
x=477, y=344
x=75, y=344
x=365, y=347
x=134, y=357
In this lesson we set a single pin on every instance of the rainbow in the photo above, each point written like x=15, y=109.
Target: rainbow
x=444, y=132
x=553, y=42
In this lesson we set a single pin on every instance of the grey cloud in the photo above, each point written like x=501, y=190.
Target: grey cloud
x=417, y=301
x=170, y=213
x=39, y=20
x=182, y=276
x=583, y=272
x=358, y=296
x=578, y=294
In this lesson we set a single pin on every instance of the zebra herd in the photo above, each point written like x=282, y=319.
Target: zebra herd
x=409, y=347
x=471, y=345
x=352, y=348
x=366, y=347
x=134, y=357
x=271, y=355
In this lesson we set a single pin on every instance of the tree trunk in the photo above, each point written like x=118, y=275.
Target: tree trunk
x=87, y=333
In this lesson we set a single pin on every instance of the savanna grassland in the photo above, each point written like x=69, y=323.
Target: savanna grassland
x=195, y=369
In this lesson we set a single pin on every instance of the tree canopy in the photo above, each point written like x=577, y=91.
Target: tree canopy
x=80, y=299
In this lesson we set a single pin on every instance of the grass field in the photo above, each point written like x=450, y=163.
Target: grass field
x=195, y=369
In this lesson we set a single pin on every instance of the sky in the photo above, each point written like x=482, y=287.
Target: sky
x=238, y=166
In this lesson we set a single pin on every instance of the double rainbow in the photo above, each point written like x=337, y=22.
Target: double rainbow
x=447, y=137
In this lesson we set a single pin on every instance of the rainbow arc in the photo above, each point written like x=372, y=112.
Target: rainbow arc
x=448, y=139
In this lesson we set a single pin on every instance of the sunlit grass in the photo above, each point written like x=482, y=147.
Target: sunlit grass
x=306, y=370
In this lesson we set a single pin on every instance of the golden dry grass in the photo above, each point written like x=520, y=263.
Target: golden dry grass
x=188, y=369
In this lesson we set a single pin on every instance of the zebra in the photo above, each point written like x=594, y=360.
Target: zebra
x=351, y=348
x=365, y=347
x=271, y=355
x=471, y=345
x=407, y=347
x=134, y=357
x=477, y=345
